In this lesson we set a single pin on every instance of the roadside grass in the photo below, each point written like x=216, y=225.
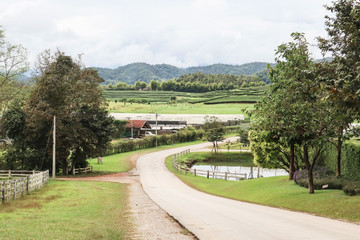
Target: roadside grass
x=67, y=210
x=184, y=108
x=123, y=162
x=278, y=192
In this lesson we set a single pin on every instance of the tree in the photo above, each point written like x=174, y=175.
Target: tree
x=341, y=78
x=295, y=112
x=213, y=132
x=154, y=85
x=13, y=63
x=243, y=135
x=65, y=89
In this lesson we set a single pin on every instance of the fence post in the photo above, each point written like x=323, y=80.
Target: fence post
x=27, y=184
x=73, y=171
x=195, y=172
x=2, y=191
x=207, y=175
x=9, y=173
x=225, y=176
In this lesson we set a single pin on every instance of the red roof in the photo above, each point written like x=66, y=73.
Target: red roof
x=135, y=123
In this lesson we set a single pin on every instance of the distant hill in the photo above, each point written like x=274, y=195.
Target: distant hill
x=134, y=72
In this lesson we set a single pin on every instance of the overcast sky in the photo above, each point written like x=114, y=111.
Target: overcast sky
x=112, y=33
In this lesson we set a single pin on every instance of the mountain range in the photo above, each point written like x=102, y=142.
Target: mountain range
x=135, y=72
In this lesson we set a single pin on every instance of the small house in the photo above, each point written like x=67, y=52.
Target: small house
x=137, y=128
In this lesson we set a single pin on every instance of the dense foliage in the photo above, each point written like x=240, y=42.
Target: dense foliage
x=65, y=90
x=136, y=72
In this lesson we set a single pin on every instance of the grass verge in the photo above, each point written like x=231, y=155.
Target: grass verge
x=67, y=210
x=124, y=162
x=244, y=159
x=278, y=192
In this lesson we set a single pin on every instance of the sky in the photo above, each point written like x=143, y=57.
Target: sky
x=183, y=33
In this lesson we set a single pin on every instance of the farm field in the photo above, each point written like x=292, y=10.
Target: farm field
x=242, y=95
x=278, y=192
x=184, y=108
x=67, y=210
x=217, y=102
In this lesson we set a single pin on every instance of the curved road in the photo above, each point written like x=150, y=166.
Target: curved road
x=210, y=217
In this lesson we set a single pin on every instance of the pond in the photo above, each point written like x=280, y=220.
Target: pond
x=251, y=172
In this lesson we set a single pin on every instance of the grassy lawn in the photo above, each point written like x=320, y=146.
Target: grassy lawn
x=124, y=162
x=67, y=210
x=184, y=108
x=279, y=192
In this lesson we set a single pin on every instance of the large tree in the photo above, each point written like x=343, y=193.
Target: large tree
x=72, y=93
x=295, y=112
x=341, y=77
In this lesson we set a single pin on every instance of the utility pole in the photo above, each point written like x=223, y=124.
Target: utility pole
x=156, y=130
x=54, y=149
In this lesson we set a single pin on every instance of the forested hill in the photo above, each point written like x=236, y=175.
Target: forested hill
x=134, y=72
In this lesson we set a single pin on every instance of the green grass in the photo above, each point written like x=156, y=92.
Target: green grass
x=67, y=210
x=223, y=159
x=184, y=108
x=279, y=192
x=122, y=162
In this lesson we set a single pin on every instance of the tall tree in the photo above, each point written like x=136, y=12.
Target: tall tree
x=297, y=113
x=71, y=93
x=342, y=76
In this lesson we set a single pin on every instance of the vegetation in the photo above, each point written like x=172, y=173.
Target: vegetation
x=244, y=159
x=13, y=63
x=278, y=192
x=213, y=132
x=242, y=95
x=137, y=72
x=72, y=94
x=68, y=210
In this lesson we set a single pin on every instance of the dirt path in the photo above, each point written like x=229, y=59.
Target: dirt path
x=148, y=220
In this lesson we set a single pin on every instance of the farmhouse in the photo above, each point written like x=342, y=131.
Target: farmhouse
x=137, y=128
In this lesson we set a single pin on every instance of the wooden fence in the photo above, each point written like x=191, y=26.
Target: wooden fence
x=82, y=170
x=19, y=183
x=206, y=173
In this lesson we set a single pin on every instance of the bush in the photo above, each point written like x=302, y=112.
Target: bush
x=325, y=179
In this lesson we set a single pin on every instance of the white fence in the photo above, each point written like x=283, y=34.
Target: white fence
x=17, y=183
x=206, y=173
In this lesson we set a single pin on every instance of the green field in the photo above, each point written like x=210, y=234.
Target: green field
x=279, y=192
x=67, y=210
x=184, y=108
x=223, y=159
x=242, y=95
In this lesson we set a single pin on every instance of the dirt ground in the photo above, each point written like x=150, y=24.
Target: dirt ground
x=148, y=220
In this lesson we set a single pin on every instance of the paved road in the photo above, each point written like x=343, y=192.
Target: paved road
x=210, y=217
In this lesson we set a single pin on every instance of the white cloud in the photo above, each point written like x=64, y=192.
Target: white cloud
x=179, y=32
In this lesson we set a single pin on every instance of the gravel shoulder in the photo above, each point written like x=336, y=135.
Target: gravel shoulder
x=147, y=219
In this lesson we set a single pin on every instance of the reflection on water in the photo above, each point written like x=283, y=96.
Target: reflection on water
x=252, y=172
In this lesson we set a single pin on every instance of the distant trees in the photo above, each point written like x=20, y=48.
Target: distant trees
x=196, y=82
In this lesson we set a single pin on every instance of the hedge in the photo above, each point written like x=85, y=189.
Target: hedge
x=350, y=160
x=150, y=141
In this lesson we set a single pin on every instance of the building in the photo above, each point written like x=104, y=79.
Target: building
x=137, y=128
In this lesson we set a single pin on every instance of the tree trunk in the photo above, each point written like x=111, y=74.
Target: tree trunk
x=292, y=161
x=64, y=167
x=309, y=169
x=338, y=162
